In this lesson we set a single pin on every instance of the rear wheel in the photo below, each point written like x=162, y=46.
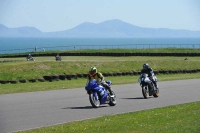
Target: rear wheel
x=145, y=92
x=95, y=102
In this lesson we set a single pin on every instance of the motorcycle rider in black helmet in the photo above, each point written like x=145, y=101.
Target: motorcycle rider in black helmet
x=93, y=74
x=151, y=75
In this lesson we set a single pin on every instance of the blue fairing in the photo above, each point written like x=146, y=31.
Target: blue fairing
x=95, y=87
x=104, y=97
x=91, y=85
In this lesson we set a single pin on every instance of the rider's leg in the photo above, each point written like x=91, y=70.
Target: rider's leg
x=154, y=81
x=108, y=88
x=156, y=85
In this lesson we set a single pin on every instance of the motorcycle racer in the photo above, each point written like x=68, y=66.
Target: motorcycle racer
x=30, y=57
x=93, y=74
x=147, y=69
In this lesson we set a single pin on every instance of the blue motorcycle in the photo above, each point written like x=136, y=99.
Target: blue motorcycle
x=98, y=94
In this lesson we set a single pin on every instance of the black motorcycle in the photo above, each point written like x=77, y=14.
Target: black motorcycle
x=58, y=58
x=30, y=59
x=148, y=87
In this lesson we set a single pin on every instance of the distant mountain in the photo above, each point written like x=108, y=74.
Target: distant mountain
x=19, y=32
x=107, y=29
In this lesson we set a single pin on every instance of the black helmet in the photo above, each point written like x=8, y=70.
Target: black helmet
x=145, y=66
x=92, y=71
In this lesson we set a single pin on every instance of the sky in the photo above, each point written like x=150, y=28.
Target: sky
x=58, y=15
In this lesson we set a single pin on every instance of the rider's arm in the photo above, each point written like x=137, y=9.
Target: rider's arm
x=151, y=72
x=88, y=77
x=141, y=72
x=100, y=76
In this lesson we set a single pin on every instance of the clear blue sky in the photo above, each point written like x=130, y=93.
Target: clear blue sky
x=57, y=15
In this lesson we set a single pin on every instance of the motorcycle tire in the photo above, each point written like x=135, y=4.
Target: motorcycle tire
x=145, y=93
x=112, y=100
x=156, y=94
x=94, y=102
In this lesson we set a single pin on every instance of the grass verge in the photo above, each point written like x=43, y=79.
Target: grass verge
x=73, y=65
x=182, y=118
x=80, y=82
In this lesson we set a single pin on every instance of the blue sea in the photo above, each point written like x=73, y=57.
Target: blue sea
x=21, y=45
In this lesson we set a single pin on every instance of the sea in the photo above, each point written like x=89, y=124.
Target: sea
x=9, y=45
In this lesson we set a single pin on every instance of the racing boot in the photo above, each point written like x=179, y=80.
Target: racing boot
x=111, y=93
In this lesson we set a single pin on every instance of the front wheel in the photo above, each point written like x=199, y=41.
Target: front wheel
x=145, y=92
x=156, y=94
x=94, y=100
x=112, y=100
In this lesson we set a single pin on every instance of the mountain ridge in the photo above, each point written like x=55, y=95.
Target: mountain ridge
x=107, y=29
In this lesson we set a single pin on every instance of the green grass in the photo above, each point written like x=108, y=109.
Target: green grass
x=72, y=65
x=182, y=118
x=80, y=82
x=120, y=50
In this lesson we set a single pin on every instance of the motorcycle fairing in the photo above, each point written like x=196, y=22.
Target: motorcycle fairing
x=97, y=89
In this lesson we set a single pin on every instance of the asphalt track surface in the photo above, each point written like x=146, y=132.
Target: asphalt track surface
x=24, y=111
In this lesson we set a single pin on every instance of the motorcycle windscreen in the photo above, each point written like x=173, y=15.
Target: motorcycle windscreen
x=91, y=85
x=109, y=82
